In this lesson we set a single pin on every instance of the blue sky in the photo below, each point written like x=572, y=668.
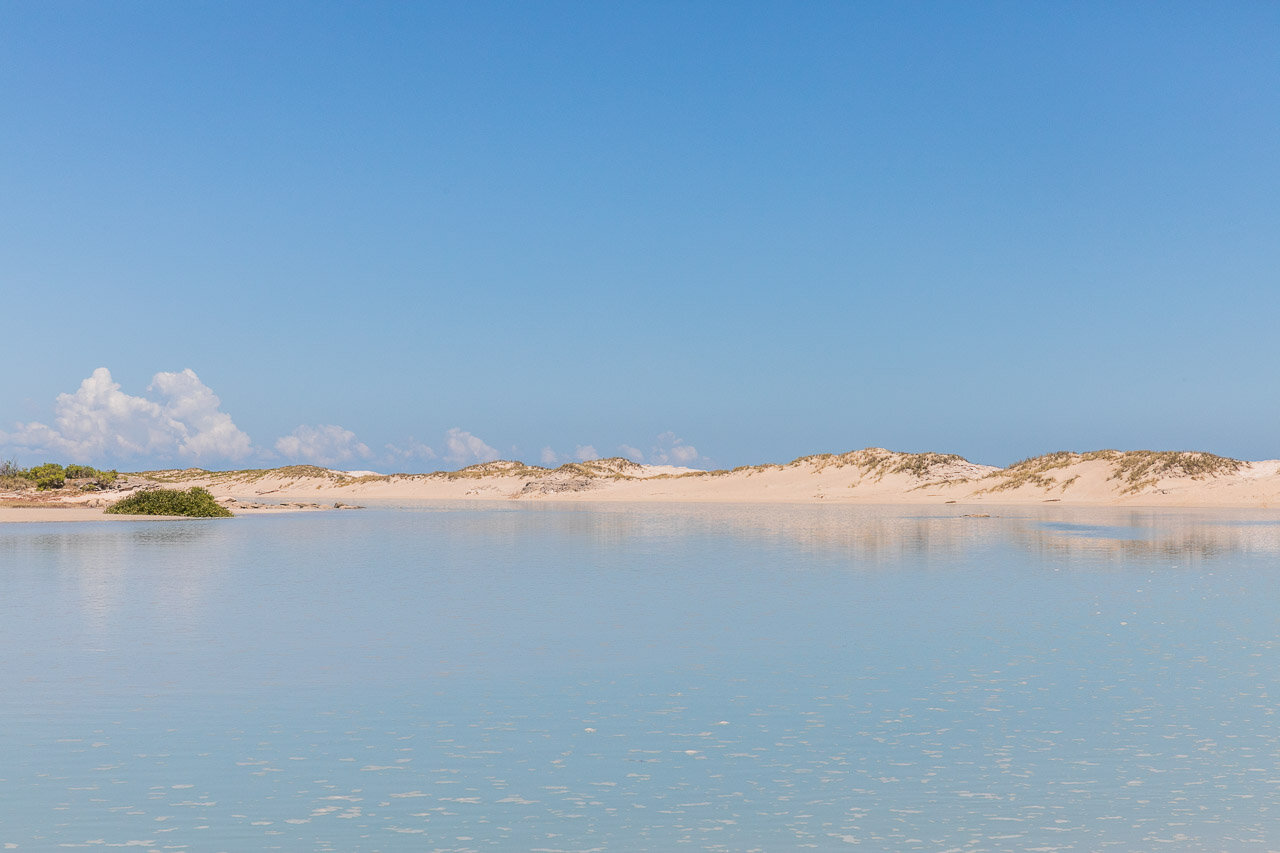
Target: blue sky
x=412, y=236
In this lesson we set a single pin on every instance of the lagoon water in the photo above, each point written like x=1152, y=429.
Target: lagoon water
x=573, y=678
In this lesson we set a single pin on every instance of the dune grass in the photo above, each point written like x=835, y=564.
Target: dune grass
x=1135, y=469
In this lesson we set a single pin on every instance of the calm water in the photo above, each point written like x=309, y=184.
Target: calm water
x=643, y=678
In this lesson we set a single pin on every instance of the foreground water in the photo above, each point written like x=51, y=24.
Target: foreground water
x=643, y=678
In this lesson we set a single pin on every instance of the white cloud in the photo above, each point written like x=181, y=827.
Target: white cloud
x=632, y=453
x=684, y=453
x=207, y=430
x=463, y=448
x=581, y=453
x=327, y=444
x=671, y=450
x=101, y=420
x=413, y=450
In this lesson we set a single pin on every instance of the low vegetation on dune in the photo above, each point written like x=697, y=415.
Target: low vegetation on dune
x=615, y=467
x=498, y=468
x=748, y=470
x=873, y=462
x=1142, y=468
x=250, y=475
x=878, y=463
x=194, y=502
x=52, y=475
x=1034, y=471
x=176, y=475
x=1132, y=471
x=1135, y=469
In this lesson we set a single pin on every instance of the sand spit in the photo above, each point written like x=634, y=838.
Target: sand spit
x=870, y=476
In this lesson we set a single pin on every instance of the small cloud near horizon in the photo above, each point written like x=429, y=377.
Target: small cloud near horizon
x=326, y=444
x=632, y=453
x=463, y=448
x=581, y=453
x=671, y=450
x=413, y=449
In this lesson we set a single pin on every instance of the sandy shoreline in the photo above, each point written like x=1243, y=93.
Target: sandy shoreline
x=871, y=476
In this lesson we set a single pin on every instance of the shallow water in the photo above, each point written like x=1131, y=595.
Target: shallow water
x=574, y=678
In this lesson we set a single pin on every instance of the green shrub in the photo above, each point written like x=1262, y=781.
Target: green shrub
x=50, y=475
x=13, y=476
x=195, y=502
x=101, y=479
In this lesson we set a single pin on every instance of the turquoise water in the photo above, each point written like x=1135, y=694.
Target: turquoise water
x=643, y=678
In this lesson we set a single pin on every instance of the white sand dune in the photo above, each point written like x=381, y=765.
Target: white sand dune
x=870, y=476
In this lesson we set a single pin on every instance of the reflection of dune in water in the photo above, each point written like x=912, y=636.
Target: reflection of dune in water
x=862, y=531
x=886, y=534
x=876, y=534
x=1154, y=535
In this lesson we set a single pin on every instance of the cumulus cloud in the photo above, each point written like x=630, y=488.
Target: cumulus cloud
x=205, y=429
x=632, y=453
x=684, y=453
x=101, y=420
x=414, y=449
x=463, y=448
x=549, y=457
x=585, y=453
x=326, y=444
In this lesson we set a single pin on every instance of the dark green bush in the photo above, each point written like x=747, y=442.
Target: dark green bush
x=195, y=502
x=80, y=472
x=50, y=475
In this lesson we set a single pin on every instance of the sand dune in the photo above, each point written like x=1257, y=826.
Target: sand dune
x=870, y=476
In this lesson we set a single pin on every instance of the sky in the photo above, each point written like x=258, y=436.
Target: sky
x=412, y=236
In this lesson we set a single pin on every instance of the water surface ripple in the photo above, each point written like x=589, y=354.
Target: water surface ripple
x=572, y=678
